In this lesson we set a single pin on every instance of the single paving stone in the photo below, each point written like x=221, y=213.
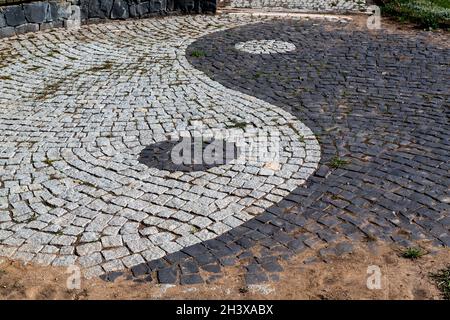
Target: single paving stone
x=228, y=261
x=64, y=261
x=23, y=256
x=152, y=253
x=63, y=240
x=111, y=276
x=112, y=254
x=157, y=264
x=274, y=277
x=133, y=260
x=119, y=10
x=188, y=279
x=327, y=252
x=14, y=15
x=176, y=257
x=140, y=270
x=112, y=241
x=35, y=12
x=89, y=248
x=254, y=268
x=343, y=248
x=147, y=279
x=205, y=259
x=93, y=272
x=113, y=265
x=255, y=278
x=189, y=267
x=167, y=276
x=296, y=245
x=91, y=260
x=214, y=268
x=272, y=267
x=2, y=22
x=195, y=250
x=44, y=258
x=90, y=237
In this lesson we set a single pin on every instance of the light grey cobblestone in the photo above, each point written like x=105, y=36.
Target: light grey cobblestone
x=79, y=192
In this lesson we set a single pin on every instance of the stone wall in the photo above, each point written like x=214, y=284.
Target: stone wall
x=17, y=17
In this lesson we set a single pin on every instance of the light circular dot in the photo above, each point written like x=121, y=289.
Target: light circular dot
x=265, y=46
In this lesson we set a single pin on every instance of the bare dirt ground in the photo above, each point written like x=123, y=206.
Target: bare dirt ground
x=343, y=277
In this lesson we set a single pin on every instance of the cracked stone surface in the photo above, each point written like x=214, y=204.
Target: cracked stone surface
x=76, y=111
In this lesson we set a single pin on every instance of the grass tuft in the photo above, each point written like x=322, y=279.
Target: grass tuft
x=442, y=280
x=337, y=163
x=412, y=253
x=198, y=53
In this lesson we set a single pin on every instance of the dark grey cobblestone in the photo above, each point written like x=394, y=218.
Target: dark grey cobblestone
x=378, y=101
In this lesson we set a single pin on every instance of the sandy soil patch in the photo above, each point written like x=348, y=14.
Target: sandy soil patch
x=306, y=276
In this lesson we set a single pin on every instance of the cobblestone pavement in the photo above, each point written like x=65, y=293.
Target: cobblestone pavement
x=78, y=108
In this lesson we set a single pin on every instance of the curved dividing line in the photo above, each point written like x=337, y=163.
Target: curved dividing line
x=297, y=138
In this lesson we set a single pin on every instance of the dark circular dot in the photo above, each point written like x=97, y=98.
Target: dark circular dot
x=189, y=154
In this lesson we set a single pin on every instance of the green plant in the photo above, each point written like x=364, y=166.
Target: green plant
x=337, y=162
x=48, y=162
x=194, y=229
x=429, y=14
x=412, y=253
x=442, y=280
x=198, y=53
x=257, y=75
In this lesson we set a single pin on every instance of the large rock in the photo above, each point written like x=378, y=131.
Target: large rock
x=58, y=11
x=120, y=10
x=143, y=8
x=84, y=9
x=106, y=7
x=35, y=12
x=209, y=6
x=94, y=10
x=2, y=19
x=185, y=5
x=139, y=9
x=157, y=5
x=14, y=16
x=133, y=11
x=170, y=5
x=7, y=32
x=25, y=28
x=100, y=8
x=52, y=13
